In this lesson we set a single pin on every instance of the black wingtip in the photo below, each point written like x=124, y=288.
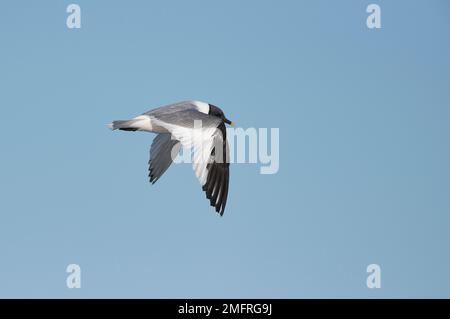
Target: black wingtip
x=152, y=178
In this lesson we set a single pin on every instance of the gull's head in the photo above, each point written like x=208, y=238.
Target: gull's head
x=217, y=112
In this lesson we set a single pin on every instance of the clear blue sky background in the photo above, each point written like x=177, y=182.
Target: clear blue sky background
x=364, y=173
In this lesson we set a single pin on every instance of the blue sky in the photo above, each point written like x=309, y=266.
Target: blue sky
x=364, y=149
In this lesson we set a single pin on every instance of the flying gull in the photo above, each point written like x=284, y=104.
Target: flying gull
x=195, y=125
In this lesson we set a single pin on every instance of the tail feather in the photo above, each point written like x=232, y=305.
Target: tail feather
x=124, y=125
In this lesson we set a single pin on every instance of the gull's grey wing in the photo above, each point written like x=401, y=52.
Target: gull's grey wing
x=172, y=108
x=183, y=114
x=162, y=151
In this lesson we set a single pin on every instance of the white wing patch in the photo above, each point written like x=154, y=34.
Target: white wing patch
x=201, y=106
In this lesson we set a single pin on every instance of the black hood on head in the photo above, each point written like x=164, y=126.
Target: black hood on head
x=216, y=111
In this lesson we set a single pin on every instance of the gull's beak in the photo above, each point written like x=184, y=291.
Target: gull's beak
x=228, y=122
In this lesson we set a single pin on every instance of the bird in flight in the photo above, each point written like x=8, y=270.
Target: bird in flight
x=195, y=125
